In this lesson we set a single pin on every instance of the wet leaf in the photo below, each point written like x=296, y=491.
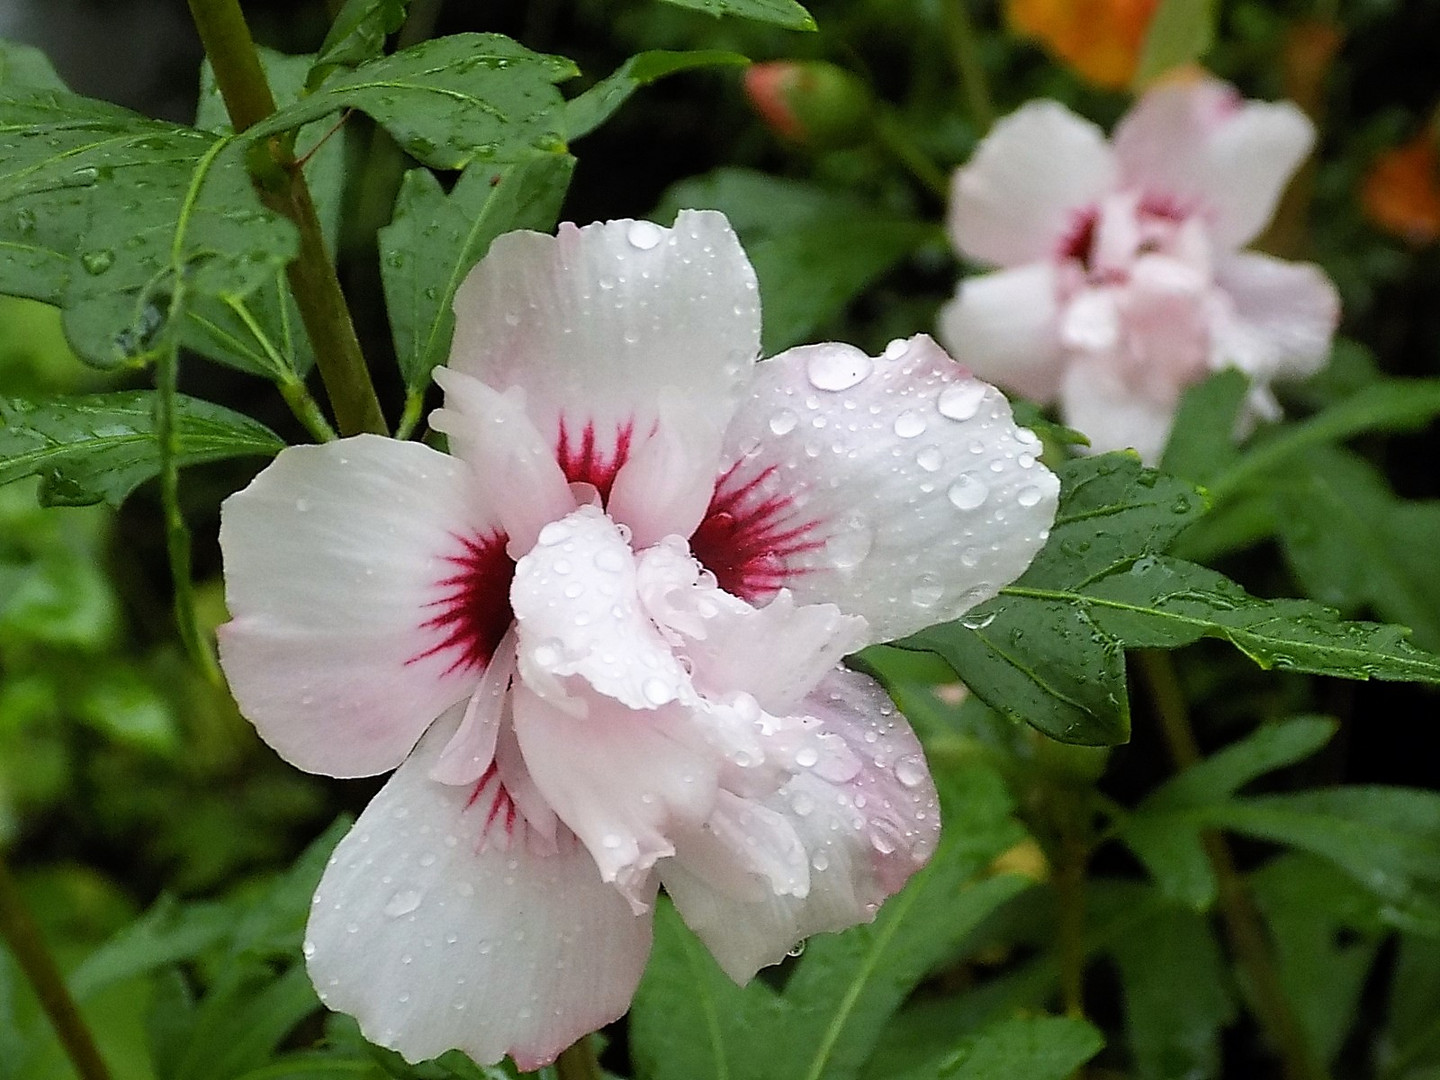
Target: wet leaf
x=786, y=13
x=95, y=447
x=585, y=113
x=435, y=238
x=121, y=220
x=449, y=101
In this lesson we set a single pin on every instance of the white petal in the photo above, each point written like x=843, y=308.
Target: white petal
x=624, y=780
x=865, y=837
x=515, y=468
x=1028, y=185
x=1003, y=326
x=434, y=940
x=1097, y=400
x=1197, y=146
x=664, y=487
x=1282, y=318
x=579, y=614
x=344, y=566
x=600, y=324
x=907, y=497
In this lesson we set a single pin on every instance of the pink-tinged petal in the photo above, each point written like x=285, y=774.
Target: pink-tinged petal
x=864, y=837
x=1279, y=318
x=1096, y=399
x=579, y=615
x=472, y=748
x=902, y=492
x=1164, y=327
x=1029, y=185
x=600, y=324
x=775, y=653
x=368, y=590
x=624, y=780
x=663, y=489
x=745, y=850
x=515, y=468
x=1003, y=326
x=1199, y=148
x=438, y=931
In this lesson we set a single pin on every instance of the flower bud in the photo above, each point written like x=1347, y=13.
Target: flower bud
x=810, y=101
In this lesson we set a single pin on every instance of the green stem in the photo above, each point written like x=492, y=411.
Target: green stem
x=1243, y=925
x=281, y=185
x=961, y=32
x=893, y=137
x=410, y=418
x=18, y=929
x=307, y=410
x=177, y=533
x=1072, y=860
x=579, y=1062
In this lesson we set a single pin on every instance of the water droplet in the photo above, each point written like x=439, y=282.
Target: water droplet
x=968, y=492
x=910, y=770
x=302, y=505
x=97, y=262
x=806, y=757
x=848, y=548
x=896, y=349
x=962, y=400
x=556, y=532
x=610, y=841
x=802, y=804
x=837, y=367
x=909, y=424
x=797, y=949
x=783, y=422
x=930, y=459
x=403, y=902
x=927, y=591
x=1029, y=496
x=658, y=691
x=644, y=234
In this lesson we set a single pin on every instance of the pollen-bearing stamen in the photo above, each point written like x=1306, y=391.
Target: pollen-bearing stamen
x=474, y=611
x=748, y=537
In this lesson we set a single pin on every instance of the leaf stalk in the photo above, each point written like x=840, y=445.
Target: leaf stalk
x=280, y=182
x=19, y=931
x=1243, y=925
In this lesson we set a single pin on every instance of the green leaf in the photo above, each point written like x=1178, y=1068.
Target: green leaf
x=1173, y=976
x=1047, y=663
x=357, y=34
x=585, y=113
x=1268, y=748
x=166, y=934
x=449, y=101
x=1352, y=543
x=1327, y=932
x=688, y=1020
x=1199, y=447
x=786, y=13
x=242, y=1019
x=1033, y=1048
x=1391, y=405
x=1180, y=32
x=1386, y=838
x=1412, y=1033
x=435, y=238
x=97, y=447
x=25, y=65
x=121, y=220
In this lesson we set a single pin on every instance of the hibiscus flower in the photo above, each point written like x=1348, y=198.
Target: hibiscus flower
x=601, y=637
x=1122, y=278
